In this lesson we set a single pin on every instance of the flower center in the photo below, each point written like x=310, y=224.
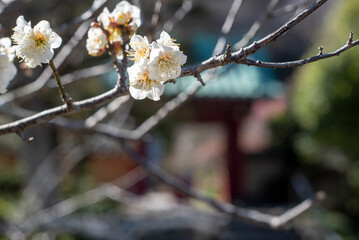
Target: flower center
x=144, y=83
x=166, y=61
x=141, y=50
x=40, y=39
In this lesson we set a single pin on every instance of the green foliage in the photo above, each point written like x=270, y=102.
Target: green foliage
x=325, y=105
x=325, y=97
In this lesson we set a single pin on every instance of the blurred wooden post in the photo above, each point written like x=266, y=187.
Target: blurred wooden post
x=235, y=159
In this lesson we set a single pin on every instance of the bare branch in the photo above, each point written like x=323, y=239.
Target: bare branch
x=179, y=15
x=156, y=12
x=199, y=78
x=65, y=98
x=62, y=110
x=240, y=55
x=82, y=74
x=256, y=26
x=23, y=136
x=250, y=216
x=220, y=60
x=85, y=199
x=96, y=7
x=227, y=26
x=301, y=62
x=105, y=111
x=289, y=8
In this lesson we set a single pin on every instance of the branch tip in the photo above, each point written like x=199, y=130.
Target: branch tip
x=228, y=49
x=227, y=54
x=200, y=79
x=350, y=39
x=23, y=136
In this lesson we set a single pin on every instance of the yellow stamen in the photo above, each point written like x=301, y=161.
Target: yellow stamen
x=39, y=39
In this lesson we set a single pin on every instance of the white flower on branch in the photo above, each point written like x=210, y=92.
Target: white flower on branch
x=166, y=40
x=155, y=63
x=35, y=45
x=140, y=48
x=96, y=41
x=7, y=72
x=6, y=48
x=141, y=86
x=125, y=15
x=165, y=62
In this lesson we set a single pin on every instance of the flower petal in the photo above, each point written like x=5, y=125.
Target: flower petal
x=56, y=40
x=137, y=93
x=43, y=26
x=156, y=92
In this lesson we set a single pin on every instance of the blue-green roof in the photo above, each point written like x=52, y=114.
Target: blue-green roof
x=236, y=81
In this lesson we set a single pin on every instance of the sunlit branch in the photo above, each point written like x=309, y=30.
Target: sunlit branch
x=301, y=62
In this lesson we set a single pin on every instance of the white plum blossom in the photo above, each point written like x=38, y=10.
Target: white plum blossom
x=154, y=64
x=35, y=45
x=22, y=29
x=141, y=86
x=124, y=14
x=105, y=18
x=96, y=41
x=166, y=40
x=7, y=72
x=140, y=48
x=129, y=13
x=6, y=48
x=165, y=62
x=123, y=20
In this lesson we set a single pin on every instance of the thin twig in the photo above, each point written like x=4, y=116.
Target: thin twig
x=156, y=13
x=256, y=26
x=82, y=74
x=227, y=26
x=301, y=62
x=96, y=7
x=65, y=98
x=106, y=111
x=23, y=136
x=200, y=79
x=240, y=55
x=288, y=8
x=179, y=15
x=123, y=67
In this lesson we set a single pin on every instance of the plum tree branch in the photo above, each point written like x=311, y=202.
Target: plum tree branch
x=239, y=57
x=301, y=62
x=245, y=215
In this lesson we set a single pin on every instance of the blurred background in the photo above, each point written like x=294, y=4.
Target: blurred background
x=259, y=138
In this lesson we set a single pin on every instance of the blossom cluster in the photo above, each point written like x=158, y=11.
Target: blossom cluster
x=154, y=64
x=35, y=45
x=124, y=19
x=7, y=68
